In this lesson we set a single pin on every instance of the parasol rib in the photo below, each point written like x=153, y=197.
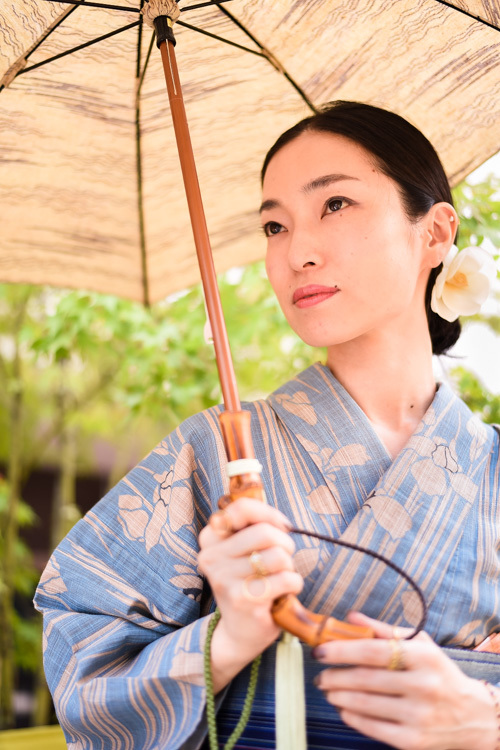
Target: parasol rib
x=146, y=63
x=49, y=31
x=139, y=46
x=469, y=15
x=138, y=151
x=203, y=5
x=80, y=46
x=269, y=56
x=221, y=39
x=96, y=5
x=21, y=61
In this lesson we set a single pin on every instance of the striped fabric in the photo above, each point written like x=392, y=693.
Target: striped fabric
x=126, y=610
x=325, y=729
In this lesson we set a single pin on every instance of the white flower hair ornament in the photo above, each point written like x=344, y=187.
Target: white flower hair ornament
x=464, y=283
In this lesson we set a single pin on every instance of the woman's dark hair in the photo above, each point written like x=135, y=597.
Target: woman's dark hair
x=402, y=153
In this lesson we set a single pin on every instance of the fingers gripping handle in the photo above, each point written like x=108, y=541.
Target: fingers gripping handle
x=244, y=481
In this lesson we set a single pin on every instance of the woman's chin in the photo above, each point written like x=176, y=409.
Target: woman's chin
x=322, y=340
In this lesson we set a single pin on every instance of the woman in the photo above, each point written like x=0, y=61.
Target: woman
x=359, y=219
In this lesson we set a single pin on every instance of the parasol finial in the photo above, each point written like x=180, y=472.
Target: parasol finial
x=154, y=8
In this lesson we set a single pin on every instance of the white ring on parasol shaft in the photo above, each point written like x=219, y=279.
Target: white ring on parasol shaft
x=243, y=466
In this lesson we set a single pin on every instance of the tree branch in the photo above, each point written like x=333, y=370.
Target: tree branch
x=40, y=448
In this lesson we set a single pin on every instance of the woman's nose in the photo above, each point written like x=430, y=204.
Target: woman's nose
x=304, y=251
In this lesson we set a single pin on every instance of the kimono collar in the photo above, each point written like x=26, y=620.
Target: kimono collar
x=335, y=432
x=343, y=444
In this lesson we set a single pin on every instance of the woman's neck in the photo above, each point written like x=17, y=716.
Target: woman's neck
x=391, y=381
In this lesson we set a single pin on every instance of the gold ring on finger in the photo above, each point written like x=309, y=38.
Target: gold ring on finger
x=256, y=588
x=257, y=564
x=397, y=660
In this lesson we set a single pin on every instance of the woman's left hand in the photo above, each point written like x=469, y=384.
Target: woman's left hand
x=423, y=702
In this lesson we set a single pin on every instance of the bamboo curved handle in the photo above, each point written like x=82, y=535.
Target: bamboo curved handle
x=312, y=628
x=288, y=613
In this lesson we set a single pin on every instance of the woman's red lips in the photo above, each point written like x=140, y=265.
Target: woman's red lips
x=306, y=296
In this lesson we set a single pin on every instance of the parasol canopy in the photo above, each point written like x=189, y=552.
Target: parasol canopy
x=90, y=188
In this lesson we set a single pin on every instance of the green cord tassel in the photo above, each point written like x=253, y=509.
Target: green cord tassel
x=247, y=706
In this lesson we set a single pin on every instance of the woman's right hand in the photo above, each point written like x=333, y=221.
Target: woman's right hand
x=246, y=627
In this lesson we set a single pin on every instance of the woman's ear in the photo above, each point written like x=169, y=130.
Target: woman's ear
x=440, y=226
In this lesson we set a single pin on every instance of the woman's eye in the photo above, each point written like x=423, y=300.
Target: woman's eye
x=335, y=204
x=272, y=227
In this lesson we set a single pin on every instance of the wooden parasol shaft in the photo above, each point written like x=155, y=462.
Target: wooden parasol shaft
x=200, y=231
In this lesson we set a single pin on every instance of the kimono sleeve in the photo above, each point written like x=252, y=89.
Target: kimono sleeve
x=121, y=598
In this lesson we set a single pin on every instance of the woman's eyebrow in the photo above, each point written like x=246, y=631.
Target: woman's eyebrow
x=325, y=180
x=316, y=184
x=268, y=205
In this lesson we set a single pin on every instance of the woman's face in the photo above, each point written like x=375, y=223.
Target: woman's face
x=342, y=257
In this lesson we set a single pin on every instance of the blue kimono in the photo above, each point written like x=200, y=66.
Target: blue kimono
x=126, y=610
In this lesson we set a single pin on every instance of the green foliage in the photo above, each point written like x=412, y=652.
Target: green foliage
x=108, y=363
x=27, y=632
x=27, y=641
x=25, y=573
x=478, y=206
x=476, y=396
